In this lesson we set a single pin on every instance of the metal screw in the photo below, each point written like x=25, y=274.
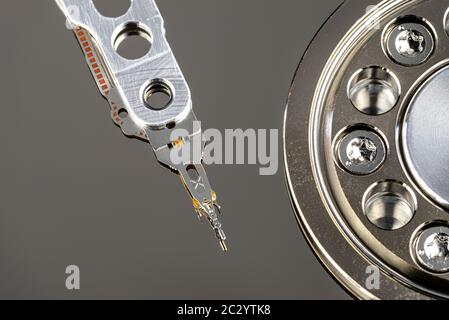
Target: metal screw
x=432, y=249
x=361, y=151
x=410, y=44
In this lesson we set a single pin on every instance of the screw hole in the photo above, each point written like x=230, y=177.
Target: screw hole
x=123, y=114
x=112, y=9
x=171, y=125
x=158, y=95
x=133, y=41
x=193, y=173
x=374, y=90
x=389, y=205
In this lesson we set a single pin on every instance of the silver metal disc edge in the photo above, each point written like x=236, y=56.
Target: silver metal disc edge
x=347, y=264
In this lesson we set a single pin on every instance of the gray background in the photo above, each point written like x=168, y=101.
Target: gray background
x=74, y=190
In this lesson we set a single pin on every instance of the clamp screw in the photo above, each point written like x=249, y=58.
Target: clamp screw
x=360, y=151
x=432, y=249
x=410, y=43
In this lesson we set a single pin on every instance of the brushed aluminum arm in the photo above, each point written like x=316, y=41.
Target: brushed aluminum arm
x=127, y=84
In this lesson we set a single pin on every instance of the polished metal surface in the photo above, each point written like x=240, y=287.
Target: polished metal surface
x=425, y=132
x=132, y=76
x=130, y=84
x=374, y=90
x=389, y=205
x=347, y=78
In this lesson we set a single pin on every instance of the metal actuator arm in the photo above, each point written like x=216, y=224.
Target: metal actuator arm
x=129, y=84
